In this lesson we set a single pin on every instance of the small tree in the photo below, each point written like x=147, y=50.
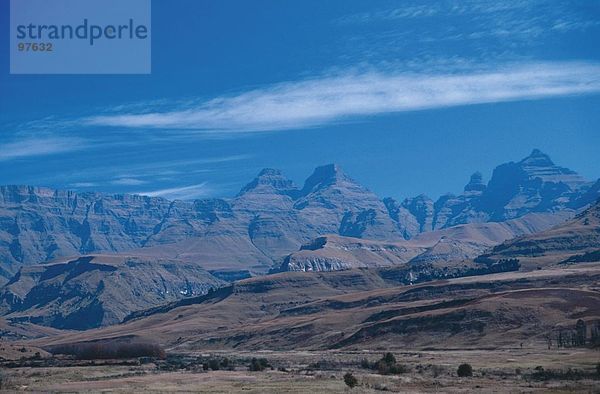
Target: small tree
x=465, y=370
x=350, y=380
x=389, y=359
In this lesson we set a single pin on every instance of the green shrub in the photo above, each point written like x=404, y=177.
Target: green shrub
x=542, y=374
x=350, y=380
x=598, y=369
x=388, y=365
x=465, y=370
x=258, y=364
x=227, y=364
x=391, y=369
x=214, y=364
x=109, y=350
x=389, y=358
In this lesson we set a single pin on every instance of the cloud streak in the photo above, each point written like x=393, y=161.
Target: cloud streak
x=180, y=193
x=30, y=147
x=320, y=101
x=128, y=182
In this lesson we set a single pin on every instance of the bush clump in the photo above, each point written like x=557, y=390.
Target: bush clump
x=598, y=369
x=388, y=365
x=569, y=374
x=258, y=364
x=109, y=350
x=465, y=370
x=218, y=363
x=350, y=380
x=214, y=364
x=389, y=358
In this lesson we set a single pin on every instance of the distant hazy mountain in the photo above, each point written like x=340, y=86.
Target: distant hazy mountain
x=268, y=219
x=534, y=184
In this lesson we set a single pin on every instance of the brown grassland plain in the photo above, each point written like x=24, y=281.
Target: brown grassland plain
x=494, y=370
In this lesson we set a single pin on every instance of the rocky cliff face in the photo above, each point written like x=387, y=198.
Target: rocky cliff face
x=270, y=217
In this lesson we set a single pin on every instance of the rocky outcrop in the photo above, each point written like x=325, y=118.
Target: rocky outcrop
x=443, y=249
x=413, y=216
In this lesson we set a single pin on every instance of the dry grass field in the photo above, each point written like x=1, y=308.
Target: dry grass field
x=500, y=370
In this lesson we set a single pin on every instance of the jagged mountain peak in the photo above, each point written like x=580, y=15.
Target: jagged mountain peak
x=324, y=176
x=269, y=172
x=420, y=197
x=539, y=165
x=476, y=183
x=270, y=181
x=330, y=170
x=537, y=158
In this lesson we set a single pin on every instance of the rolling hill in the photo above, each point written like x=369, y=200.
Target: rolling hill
x=572, y=242
x=98, y=290
x=358, y=309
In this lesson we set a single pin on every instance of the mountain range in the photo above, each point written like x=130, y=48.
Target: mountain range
x=79, y=261
x=375, y=308
x=269, y=218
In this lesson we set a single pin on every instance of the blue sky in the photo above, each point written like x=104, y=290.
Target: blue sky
x=408, y=97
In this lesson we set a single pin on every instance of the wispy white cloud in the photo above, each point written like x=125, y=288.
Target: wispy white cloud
x=542, y=14
x=478, y=29
x=159, y=172
x=84, y=184
x=31, y=146
x=181, y=193
x=128, y=181
x=320, y=101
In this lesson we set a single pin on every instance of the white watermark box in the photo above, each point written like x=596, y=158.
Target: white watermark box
x=80, y=37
